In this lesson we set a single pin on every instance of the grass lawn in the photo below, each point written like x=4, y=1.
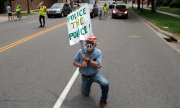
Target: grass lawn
x=170, y=10
x=164, y=22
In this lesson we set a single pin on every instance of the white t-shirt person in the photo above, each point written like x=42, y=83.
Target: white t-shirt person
x=8, y=8
x=9, y=11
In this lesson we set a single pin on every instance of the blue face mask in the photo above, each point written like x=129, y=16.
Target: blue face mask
x=89, y=47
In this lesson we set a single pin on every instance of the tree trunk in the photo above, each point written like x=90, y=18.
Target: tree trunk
x=28, y=6
x=138, y=4
x=152, y=6
x=10, y=4
x=142, y=6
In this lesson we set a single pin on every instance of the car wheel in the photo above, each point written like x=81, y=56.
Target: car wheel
x=48, y=16
x=68, y=13
x=62, y=14
x=126, y=17
x=112, y=17
x=92, y=16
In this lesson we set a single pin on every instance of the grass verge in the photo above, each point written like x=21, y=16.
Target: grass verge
x=164, y=22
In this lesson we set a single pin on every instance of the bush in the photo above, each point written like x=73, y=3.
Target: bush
x=159, y=3
x=167, y=3
x=175, y=3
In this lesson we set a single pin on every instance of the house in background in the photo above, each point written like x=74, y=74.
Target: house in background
x=145, y=2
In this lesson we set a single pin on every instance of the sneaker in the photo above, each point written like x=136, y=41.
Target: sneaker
x=103, y=105
x=40, y=26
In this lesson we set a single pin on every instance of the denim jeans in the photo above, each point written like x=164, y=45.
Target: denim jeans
x=101, y=80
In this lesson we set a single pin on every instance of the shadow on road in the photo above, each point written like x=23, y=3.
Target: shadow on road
x=86, y=102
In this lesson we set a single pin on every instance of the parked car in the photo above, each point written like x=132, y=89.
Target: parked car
x=112, y=4
x=93, y=9
x=120, y=11
x=59, y=9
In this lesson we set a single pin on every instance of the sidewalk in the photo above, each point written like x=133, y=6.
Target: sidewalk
x=149, y=8
x=170, y=14
x=3, y=17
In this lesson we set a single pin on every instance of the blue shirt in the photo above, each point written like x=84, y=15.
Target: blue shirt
x=95, y=56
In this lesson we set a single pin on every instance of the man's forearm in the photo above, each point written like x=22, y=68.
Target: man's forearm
x=84, y=64
x=95, y=64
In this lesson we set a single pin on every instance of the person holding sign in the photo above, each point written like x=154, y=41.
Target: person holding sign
x=89, y=62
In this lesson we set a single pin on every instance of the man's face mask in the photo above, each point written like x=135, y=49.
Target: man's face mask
x=89, y=47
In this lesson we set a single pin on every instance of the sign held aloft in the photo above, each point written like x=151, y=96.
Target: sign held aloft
x=79, y=25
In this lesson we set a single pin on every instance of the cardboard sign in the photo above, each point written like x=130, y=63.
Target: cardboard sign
x=79, y=25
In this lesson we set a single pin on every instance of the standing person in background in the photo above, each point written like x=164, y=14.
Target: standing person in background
x=9, y=11
x=105, y=10
x=18, y=11
x=89, y=63
x=42, y=13
x=100, y=15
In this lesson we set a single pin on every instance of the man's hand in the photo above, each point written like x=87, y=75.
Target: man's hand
x=84, y=57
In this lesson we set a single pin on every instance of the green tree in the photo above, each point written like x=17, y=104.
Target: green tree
x=167, y=2
x=175, y=4
x=2, y=6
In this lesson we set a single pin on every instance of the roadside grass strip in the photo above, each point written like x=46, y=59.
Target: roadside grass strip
x=162, y=21
x=30, y=37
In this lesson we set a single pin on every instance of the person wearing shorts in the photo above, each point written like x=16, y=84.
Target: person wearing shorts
x=9, y=11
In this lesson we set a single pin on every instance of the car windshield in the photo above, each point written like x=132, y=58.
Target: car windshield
x=91, y=2
x=57, y=5
x=123, y=7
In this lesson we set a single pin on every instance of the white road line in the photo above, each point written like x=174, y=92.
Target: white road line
x=66, y=90
x=109, y=17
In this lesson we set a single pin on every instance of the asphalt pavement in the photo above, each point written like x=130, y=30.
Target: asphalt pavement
x=142, y=69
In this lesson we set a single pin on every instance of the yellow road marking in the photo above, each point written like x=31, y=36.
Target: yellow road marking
x=30, y=37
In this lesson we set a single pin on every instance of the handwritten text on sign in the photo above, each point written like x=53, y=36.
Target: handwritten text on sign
x=79, y=25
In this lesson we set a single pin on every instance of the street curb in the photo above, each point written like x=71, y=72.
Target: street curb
x=170, y=35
